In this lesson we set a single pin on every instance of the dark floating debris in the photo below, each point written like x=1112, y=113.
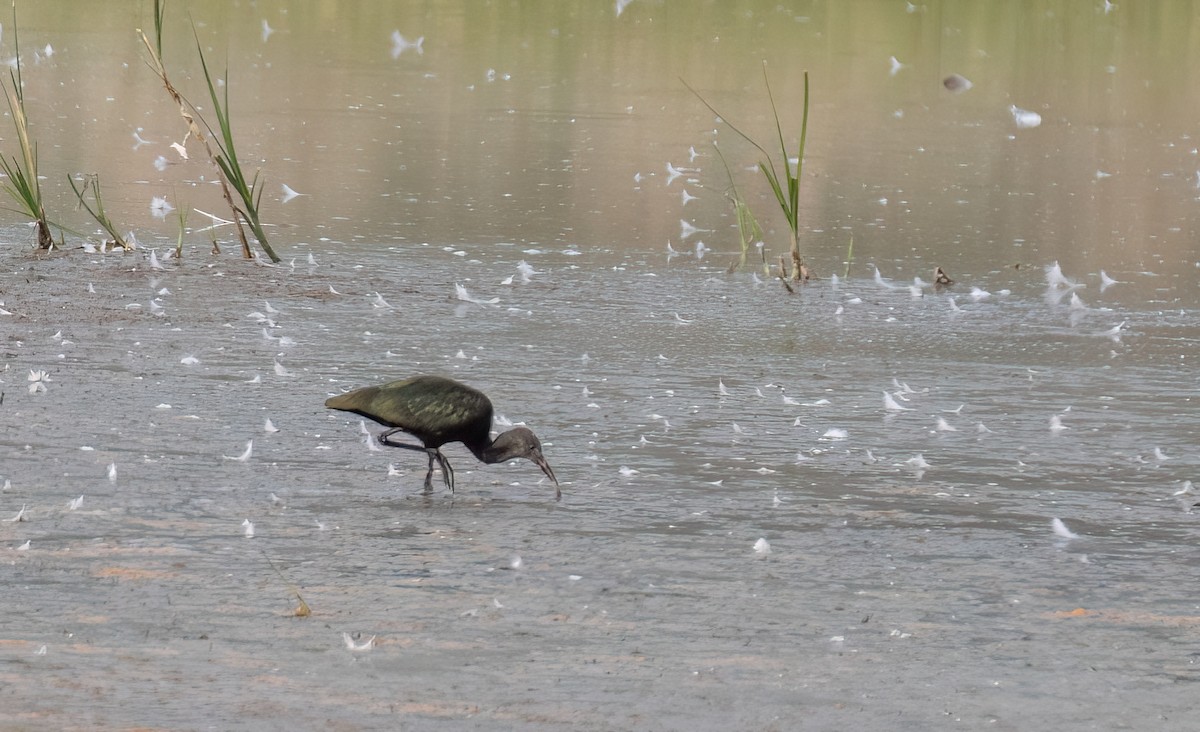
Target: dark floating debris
x=957, y=84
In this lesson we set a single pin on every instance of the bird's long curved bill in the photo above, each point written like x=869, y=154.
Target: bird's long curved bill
x=540, y=461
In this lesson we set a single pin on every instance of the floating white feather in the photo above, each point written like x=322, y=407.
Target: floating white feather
x=1061, y=530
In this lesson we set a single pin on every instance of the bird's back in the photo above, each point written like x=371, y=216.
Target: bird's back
x=435, y=409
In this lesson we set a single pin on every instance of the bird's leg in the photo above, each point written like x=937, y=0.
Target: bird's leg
x=447, y=471
x=383, y=440
x=433, y=455
x=429, y=475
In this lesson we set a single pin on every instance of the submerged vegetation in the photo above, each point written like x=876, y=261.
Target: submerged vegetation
x=786, y=187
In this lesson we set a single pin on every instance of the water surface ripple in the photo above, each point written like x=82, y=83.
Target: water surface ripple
x=690, y=413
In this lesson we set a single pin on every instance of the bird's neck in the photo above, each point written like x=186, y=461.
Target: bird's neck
x=481, y=448
x=490, y=451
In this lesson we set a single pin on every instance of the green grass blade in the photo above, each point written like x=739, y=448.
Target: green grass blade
x=778, y=127
x=801, y=145
x=740, y=134
x=791, y=205
x=749, y=231
x=803, y=131
x=160, y=9
x=774, y=181
x=92, y=182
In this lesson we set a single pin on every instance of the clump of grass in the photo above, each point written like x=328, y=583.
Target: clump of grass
x=225, y=159
x=250, y=191
x=92, y=183
x=23, y=184
x=786, y=187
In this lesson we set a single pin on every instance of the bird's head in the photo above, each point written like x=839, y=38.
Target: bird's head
x=520, y=442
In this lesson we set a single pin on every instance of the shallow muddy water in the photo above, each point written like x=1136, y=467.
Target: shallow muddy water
x=828, y=510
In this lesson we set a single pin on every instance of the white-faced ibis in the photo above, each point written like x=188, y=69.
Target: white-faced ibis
x=437, y=410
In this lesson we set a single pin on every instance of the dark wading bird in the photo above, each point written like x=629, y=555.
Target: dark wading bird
x=437, y=410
